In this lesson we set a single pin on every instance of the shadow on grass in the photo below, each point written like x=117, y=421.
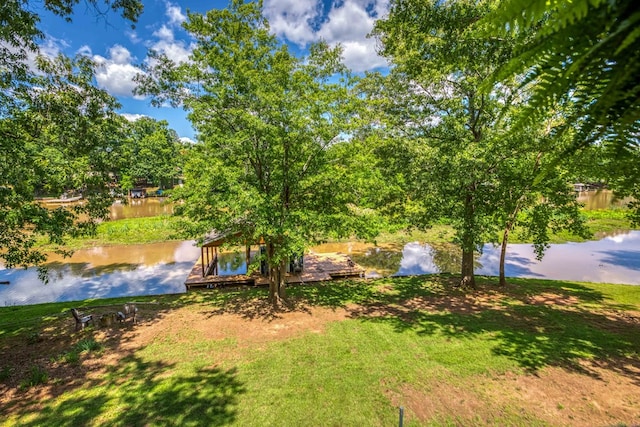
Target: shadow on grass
x=140, y=393
x=536, y=324
x=253, y=304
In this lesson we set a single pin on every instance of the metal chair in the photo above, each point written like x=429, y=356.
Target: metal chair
x=82, y=320
x=129, y=312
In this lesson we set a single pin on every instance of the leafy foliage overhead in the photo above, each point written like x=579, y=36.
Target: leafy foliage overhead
x=55, y=127
x=582, y=52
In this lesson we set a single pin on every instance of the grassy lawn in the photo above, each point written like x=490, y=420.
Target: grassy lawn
x=163, y=228
x=341, y=354
x=129, y=231
x=599, y=222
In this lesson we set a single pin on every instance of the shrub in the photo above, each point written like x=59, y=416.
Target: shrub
x=72, y=357
x=87, y=345
x=34, y=337
x=5, y=373
x=37, y=375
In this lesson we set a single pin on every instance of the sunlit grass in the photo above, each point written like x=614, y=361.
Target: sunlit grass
x=420, y=334
x=127, y=232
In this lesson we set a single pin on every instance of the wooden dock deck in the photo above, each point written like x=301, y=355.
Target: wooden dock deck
x=318, y=267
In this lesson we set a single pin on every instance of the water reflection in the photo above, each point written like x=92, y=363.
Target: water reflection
x=614, y=259
x=420, y=258
x=162, y=268
x=139, y=208
x=232, y=263
x=600, y=199
x=103, y=273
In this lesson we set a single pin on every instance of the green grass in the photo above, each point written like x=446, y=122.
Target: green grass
x=438, y=233
x=127, y=232
x=415, y=333
x=37, y=375
x=163, y=228
x=599, y=223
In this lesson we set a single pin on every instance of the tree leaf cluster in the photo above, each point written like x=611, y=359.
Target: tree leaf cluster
x=54, y=128
x=271, y=165
x=584, y=52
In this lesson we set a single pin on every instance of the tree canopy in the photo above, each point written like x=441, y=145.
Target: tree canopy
x=55, y=127
x=461, y=158
x=268, y=123
x=149, y=152
x=586, y=52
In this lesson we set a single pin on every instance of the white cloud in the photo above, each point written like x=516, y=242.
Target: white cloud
x=84, y=50
x=361, y=55
x=133, y=37
x=187, y=140
x=347, y=23
x=176, y=17
x=120, y=55
x=176, y=50
x=164, y=33
x=133, y=117
x=51, y=47
x=115, y=73
x=293, y=19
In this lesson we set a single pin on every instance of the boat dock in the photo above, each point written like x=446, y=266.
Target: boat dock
x=318, y=267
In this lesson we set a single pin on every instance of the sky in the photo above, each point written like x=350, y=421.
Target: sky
x=119, y=50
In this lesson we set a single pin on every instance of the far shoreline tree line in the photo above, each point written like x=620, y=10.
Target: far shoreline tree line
x=474, y=124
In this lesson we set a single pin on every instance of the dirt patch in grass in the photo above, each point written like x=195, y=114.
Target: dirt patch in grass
x=120, y=341
x=220, y=324
x=440, y=402
x=554, y=395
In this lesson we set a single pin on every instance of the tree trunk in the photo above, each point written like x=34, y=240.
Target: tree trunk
x=505, y=238
x=503, y=253
x=468, y=242
x=468, y=278
x=277, y=292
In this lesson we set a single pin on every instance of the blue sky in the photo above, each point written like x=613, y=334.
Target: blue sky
x=119, y=50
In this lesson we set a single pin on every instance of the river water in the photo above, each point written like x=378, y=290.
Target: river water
x=162, y=268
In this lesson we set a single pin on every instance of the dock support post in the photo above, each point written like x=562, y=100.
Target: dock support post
x=202, y=260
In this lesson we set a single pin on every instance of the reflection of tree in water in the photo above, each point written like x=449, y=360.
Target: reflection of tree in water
x=384, y=261
x=58, y=270
x=231, y=263
x=447, y=257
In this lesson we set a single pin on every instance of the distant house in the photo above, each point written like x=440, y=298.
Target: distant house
x=580, y=187
x=138, y=193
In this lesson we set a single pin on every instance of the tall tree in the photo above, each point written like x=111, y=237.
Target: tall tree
x=466, y=163
x=54, y=131
x=56, y=134
x=151, y=151
x=266, y=121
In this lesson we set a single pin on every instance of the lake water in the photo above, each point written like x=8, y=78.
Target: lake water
x=103, y=272
x=138, y=208
x=162, y=268
x=614, y=259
